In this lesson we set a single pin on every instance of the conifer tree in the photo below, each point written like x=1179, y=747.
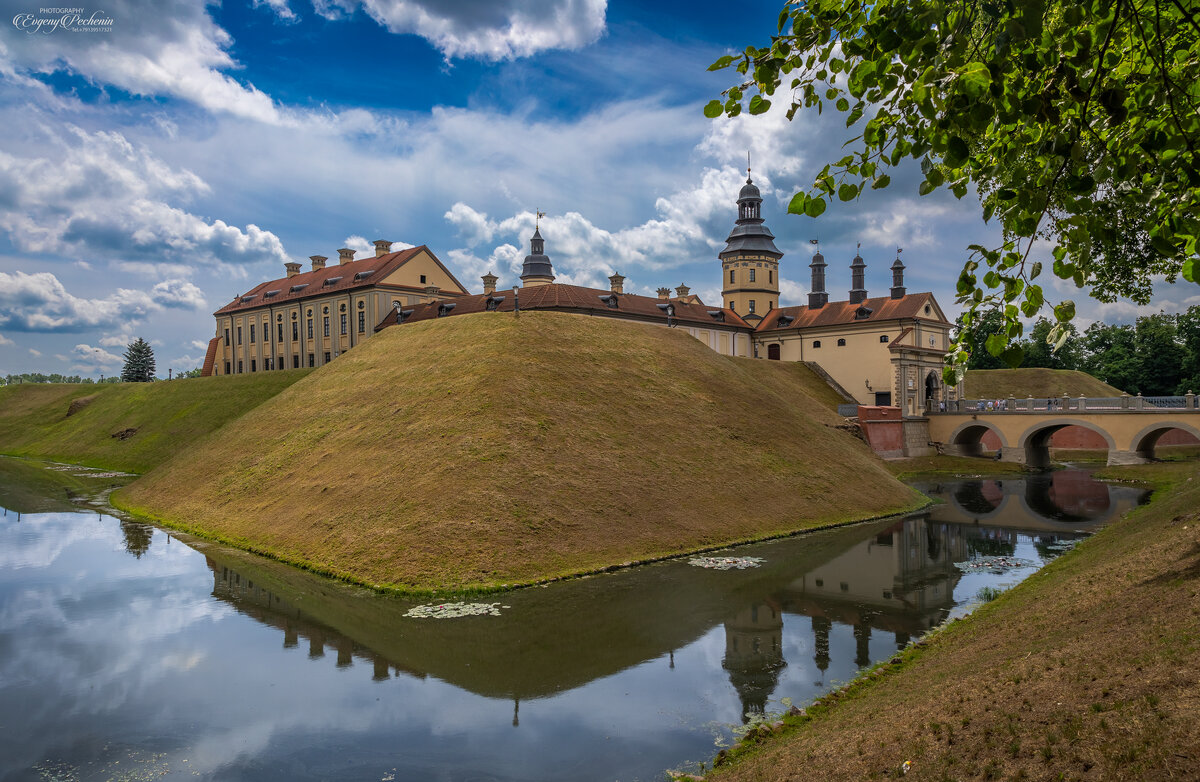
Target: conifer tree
x=139, y=362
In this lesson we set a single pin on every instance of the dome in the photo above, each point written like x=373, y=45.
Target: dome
x=749, y=190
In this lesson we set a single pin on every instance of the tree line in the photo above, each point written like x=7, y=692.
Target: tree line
x=1158, y=355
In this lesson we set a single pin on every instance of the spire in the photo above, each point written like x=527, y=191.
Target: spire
x=537, y=269
x=858, y=268
x=818, y=297
x=898, y=276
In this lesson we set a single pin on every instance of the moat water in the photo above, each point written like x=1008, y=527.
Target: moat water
x=127, y=654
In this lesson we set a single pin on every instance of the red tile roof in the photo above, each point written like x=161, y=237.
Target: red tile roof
x=335, y=278
x=843, y=313
x=573, y=298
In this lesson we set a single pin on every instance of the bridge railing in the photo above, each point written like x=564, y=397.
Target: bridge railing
x=1063, y=404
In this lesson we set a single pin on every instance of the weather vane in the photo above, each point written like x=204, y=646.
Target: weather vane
x=537, y=221
x=898, y=251
x=747, y=164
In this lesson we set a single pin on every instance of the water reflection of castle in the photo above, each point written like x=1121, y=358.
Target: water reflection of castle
x=899, y=581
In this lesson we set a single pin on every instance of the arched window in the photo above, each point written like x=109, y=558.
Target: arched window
x=816, y=343
x=841, y=343
x=884, y=338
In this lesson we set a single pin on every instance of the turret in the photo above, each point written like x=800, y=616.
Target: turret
x=858, y=288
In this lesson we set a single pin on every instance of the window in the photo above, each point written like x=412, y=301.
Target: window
x=280, y=364
x=327, y=325
x=295, y=331
x=312, y=360
x=841, y=343
x=422, y=279
x=280, y=325
x=732, y=276
x=343, y=324
x=310, y=336
x=227, y=367
x=240, y=370
x=884, y=338
x=770, y=276
x=770, y=305
x=752, y=275
x=362, y=322
x=752, y=305
x=226, y=337
x=327, y=357
x=253, y=365
x=816, y=343
x=267, y=363
x=239, y=335
x=251, y=333
x=296, y=361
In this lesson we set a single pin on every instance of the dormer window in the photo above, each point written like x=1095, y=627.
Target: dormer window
x=248, y=298
x=610, y=300
x=717, y=315
x=492, y=303
x=444, y=309
x=364, y=274
x=862, y=313
x=270, y=294
x=332, y=281
x=784, y=321
x=298, y=288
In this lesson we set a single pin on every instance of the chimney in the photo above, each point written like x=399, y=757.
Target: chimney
x=616, y=283
x=897, y=278
x=489, y=283
x=431, y=292
x=382, y=247
x=345, y=256
x=318, y=262
x=664, y=293
x=682, y=290
x=292, y=269
x=858, y=288
x=818, y=298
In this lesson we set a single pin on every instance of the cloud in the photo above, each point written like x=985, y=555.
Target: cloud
x=486, y=29
x=87, y=358
x=280, y=8
x=35, y=353
x=96, y=194
x=40, y=303
x=5, y=340
x=117, y=341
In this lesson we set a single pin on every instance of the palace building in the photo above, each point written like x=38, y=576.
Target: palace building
x=884, y=350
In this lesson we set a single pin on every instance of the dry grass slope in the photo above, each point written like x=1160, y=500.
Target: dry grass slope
x=485, y=450
x=1035, y=382
x=1089, y=670
x=166, y=417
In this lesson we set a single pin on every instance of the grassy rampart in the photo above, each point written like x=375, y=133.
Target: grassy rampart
x=127, y=426
x=1090, y=669
x=1035, y=382
x=485, y=450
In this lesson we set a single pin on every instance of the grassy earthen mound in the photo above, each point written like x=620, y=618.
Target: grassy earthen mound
x=1089, y=670
x=126, y=426
x=485, y=449
x=1036, y=382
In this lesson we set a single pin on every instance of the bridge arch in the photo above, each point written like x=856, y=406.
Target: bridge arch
x=967, y=438
x=1035, y=441
x=972, y=499
x=1143, y=442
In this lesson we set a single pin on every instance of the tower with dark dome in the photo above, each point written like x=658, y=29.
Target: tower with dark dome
x=537, y=269
x=750, y=260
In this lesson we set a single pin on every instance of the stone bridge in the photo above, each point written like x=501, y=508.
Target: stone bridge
x=1130, y=426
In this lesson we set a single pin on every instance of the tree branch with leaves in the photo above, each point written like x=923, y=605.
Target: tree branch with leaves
x=1076, y=123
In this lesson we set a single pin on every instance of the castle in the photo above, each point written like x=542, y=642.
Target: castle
x=884, y=350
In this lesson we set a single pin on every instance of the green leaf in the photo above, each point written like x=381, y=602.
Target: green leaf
x=722, y=62
x=881, y=181
x=758, y=104
x=713, y=109
x=1014, y=356
x=996, y=343
x=814, y=207
x=1190, y=270
x=796, y=205
x=847, y=191
x=975, y=79
x=956, y=152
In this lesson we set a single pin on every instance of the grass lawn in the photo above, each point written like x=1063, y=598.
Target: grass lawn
x=1035, y=382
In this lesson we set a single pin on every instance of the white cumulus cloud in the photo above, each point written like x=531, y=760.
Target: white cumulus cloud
x=39, y=302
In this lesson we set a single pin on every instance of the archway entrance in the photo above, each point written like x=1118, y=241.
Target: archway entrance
x=933, y=391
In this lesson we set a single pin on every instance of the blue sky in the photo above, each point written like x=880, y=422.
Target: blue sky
x=151, y=172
